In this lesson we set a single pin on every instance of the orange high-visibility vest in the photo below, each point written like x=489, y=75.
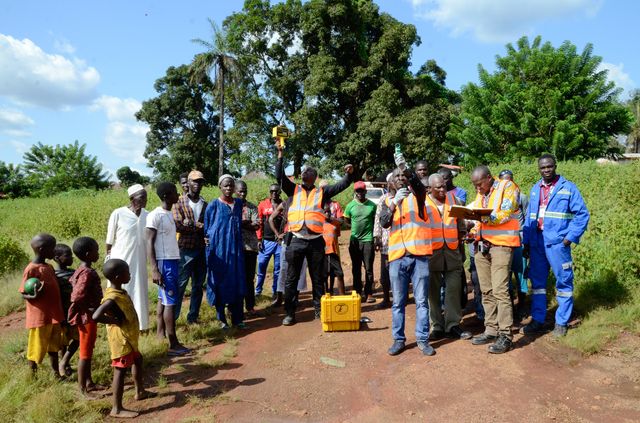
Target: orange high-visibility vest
x=306, y=209
x=330, y=233
x=506, y=234
x=409, y=234
x=445, y=228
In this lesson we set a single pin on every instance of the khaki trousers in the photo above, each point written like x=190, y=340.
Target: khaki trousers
x=452, y=306
x=494, y=270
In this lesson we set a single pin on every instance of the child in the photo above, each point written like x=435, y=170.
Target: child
x=164, y=255
x=85, y=299
x=63, y=256
x=331, y=233
x=44, y=307
x=118, y=313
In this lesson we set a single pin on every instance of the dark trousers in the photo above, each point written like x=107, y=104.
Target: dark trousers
x=250, y=258
x=385, y=282
x=313, y=250
x=362, y=253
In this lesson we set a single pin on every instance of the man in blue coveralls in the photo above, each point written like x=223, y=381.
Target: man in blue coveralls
x=557, y=216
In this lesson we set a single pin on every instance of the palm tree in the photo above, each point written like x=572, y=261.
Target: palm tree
x=225, y=68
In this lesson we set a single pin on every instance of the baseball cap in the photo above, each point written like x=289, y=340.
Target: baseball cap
x=359, y=185
x=195, y=175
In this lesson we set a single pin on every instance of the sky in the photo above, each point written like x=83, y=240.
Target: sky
x=79, y=70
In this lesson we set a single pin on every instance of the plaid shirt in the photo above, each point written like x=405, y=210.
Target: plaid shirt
x=192, y=236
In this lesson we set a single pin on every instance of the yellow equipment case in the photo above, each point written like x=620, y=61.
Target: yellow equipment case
x=340, y=312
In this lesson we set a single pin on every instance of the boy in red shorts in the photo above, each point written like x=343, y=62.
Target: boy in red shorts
x=44, y=307
x=85, y=299
x=118, y=313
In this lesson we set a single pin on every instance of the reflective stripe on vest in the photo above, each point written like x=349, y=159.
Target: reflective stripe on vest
x=409, y=234
x=442, y=230
x=306, y=209
x=506, y=234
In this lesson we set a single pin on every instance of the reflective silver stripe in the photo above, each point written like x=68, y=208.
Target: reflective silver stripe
x=558, y=215
x=567, y=294
x=501, y=232
x=410, y=243
x=451, y=239
x=539, y=291
x=532, y=216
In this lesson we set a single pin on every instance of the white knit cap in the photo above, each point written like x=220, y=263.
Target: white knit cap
x=134, y=188
x=225, y=176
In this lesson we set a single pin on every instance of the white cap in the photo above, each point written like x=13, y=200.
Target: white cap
x=134, y=188
x=389, y=177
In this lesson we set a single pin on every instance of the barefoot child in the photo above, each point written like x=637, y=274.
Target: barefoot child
x=44, y=307
x=85, y=299
x=123, y=331
x=63, y=257
x=164, y=257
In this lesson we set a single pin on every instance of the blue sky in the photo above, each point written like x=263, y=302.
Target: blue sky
x=80, y=69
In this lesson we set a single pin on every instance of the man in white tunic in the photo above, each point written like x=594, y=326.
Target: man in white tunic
x=126, y=241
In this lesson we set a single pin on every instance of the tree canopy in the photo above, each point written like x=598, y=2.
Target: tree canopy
x=128, y=177
x=539, y=99
x=182, y=126
x=337, y=72
x=50, y=170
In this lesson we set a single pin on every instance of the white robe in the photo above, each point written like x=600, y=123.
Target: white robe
x=126, y=235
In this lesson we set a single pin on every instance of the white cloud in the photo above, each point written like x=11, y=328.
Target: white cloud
x=28, y=75
x=498, y=20
x=14, y=123
x=20, y=146
x=124, y=136
x=64, y=46
x=616, y=74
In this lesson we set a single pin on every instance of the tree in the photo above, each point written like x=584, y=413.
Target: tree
x=182, y=126
x=539, y=99
x=51, y=170
x=336, y=72
x=128, y=177
x=633, y=138
x=225, y=69
x=12, y=181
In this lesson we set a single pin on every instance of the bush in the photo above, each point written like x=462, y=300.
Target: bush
x=12, y=256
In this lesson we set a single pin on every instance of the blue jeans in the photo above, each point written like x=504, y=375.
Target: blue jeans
x=269, y=248
x=192, y=265
x=402, y=271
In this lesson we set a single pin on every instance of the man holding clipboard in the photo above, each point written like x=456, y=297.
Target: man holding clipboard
x=496, y=235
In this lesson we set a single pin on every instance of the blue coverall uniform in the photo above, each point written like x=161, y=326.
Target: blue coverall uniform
x=565, y=217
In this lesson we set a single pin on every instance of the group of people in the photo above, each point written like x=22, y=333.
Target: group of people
x=221, y=245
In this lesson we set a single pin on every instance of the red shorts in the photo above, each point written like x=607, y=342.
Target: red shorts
x=87, y=334
x=126, y=361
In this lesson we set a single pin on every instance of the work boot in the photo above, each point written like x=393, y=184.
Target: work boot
x=502, y=345
x=289, y=320
x=483, y=339
x=456, y=332
x=277, y=300
x=383, y=305
x=396, y=348
x=436, y=334
x=559, y=331
x=534, y=327
x=426, y=348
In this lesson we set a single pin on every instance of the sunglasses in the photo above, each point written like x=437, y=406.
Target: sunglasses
x=361, y=190
x=274, y=190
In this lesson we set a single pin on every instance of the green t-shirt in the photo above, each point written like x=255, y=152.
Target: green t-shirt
x=362, y=216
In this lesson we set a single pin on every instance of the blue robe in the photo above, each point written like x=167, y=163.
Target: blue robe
x=225, y=255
